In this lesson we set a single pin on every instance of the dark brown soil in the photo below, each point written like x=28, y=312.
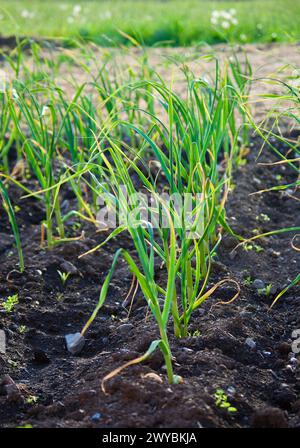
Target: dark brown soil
x=260, y=382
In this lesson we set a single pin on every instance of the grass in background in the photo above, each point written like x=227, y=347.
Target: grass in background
x=172, y=22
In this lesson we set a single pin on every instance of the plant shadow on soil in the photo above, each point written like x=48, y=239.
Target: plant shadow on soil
x=259, y=382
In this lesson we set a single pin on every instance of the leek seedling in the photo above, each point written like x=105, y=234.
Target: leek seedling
x=293, y=283
x=188, y=154
x=291, y=157
x=13, y=222
x=5, y=128
x=63, y=276
x=40, y=148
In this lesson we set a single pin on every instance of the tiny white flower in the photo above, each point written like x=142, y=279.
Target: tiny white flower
x=25, y=14
x=215, y=13
x=14, y=94
x=206, y=79
x=225, y=24
x=45, y=111
x=234, y=21
x=232, y=11
x=76, y=10
x=226, y=15
x=214, y=20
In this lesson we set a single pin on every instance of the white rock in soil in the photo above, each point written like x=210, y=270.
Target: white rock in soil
x=258, y=284
x=75, y=342
x=250, y=343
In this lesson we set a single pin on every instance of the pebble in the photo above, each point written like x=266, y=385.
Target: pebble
x=75, y=343
x=9, y=388
x=5, y=380
x=13, y=393
x=231, y=391
x=258, y=284
x=187, y=350
x=293, y=361
x=291, y=368
x=250, y=343
x=256, y=181
x=68, y=268
x=96, y=417
x=219, y=267
x=230, y=242
x=125, y=328
x=291, y=355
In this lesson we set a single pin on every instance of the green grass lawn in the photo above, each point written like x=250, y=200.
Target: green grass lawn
x=173, y=22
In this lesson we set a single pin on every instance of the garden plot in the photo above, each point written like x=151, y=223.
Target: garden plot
x=187, y=322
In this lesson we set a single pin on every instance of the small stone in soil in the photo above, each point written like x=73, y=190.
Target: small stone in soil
x=293, y=361
x=13, y=393
x=125, y=328
x=258, y=284
x=250, y=343
x=231, y=391
x=5, y=380
x=69, y=268
x=75, y=343
x=9, y=388
x=187, y=350
x=96, y=417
